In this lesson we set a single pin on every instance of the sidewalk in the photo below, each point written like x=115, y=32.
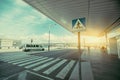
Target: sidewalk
x=9, y=50
x=104, y=67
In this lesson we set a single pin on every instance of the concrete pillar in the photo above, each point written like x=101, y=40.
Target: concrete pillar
x=113, y=46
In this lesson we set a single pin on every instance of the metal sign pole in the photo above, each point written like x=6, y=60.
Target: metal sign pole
x=78, y=25
x=79, y=45
x=79, y=51
x=106, y=41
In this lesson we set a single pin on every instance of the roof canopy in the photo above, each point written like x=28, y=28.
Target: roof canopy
x=99, y=14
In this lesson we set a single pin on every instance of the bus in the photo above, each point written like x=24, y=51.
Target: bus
x=32, y=47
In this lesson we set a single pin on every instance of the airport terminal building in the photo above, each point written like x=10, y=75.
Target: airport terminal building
x=9, y=43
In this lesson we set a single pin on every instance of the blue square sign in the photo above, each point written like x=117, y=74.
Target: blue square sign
x=79, y=24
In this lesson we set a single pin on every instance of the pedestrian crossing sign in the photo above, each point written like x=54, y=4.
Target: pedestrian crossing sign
x=79, y=24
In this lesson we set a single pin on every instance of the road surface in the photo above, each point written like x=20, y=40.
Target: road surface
x=53, y=65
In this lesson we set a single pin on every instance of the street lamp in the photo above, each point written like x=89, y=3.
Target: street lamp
x=49, y=37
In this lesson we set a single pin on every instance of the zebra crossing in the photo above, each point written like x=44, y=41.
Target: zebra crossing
x=65, y=70
x=40, y=63
x=50, y=70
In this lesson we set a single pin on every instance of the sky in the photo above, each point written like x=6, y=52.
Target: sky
x=20, y=21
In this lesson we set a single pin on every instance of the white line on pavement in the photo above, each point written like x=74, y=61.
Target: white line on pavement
x=38, y=63
x=32, y=61
x=21, y=59
x=75, y=73
x=50, y=70
x=45, y=65
x=65, y=70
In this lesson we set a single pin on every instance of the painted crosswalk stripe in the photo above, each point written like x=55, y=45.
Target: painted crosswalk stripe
x=38, y=63
x=39, y=75
x=75, y=75
x=50, y=70
x=13, y=56
x=12, y=59
x=32, y=61
x=65, y=70
x=8, y=58
x=22, y=59
x=25, y=60
x=45, y=65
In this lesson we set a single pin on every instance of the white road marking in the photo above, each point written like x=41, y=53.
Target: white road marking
x=21, y=59
x=50, y=70
x=9, y=58
x=22, y=75
x=65, y=70
x=45, y=65
x=32, y=61
x=75, y=73
x=16, y=58
x=38, y=63
x=40, y=75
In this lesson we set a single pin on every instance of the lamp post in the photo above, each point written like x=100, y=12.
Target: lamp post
x=49, y=38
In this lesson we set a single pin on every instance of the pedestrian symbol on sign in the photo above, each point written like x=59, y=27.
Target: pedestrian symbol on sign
x=78, y=24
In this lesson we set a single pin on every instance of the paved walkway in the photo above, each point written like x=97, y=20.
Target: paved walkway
x=104, y=67
x=10, y=50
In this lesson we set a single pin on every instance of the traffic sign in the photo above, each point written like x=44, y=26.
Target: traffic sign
x=79, y=24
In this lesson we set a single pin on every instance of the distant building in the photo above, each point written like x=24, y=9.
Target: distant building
x=9, y=43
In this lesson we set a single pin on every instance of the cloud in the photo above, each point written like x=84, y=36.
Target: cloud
x=17, y=21
x=9, y=25
x=53, y=38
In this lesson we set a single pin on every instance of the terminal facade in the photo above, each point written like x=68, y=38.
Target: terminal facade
x=9, y=44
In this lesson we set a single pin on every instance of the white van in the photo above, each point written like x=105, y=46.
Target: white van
x=32, y=47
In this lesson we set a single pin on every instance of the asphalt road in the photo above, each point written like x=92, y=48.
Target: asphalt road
x=65, y=54
x=53, y=65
